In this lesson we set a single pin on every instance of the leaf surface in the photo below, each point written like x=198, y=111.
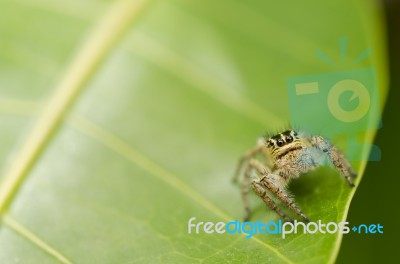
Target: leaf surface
x=117, y=127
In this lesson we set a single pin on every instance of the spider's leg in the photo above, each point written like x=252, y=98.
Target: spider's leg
x=345, y=162
x=275, y=184
x=269, y=181
x=336, y=157
x=248, y=155
x=245, y=192
x=259, y=188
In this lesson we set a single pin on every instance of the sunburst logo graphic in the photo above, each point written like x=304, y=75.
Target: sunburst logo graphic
x=337, y=103
x=357, y=89
x=343, y=51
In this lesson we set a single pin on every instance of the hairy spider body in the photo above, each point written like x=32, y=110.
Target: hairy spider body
x=287, y=156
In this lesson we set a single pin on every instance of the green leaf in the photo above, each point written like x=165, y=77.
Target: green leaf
x=120, y=121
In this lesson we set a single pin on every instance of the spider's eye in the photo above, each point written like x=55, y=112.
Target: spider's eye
x=294, y=133
x=280, y=142
x=289, y=139
x=270, y=143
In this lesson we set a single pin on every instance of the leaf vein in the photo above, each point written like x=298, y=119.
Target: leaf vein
x=83, y=66
x=124, y=149
x=175, y=64
x=34, y=239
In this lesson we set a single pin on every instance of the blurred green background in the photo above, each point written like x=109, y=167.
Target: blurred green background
x=158, y=100
x=377, y=192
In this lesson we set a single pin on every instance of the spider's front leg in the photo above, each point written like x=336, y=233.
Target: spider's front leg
x=273, y=183
x=259, y=189
x=336, y=157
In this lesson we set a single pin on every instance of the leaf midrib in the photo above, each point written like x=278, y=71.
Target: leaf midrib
x=93, y=51
x=124, y=149
x=58, y=108
x=88, y=58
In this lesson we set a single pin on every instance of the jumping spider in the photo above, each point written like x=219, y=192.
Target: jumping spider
x=287, y=156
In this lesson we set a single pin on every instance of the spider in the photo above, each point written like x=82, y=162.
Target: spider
x=287, y=156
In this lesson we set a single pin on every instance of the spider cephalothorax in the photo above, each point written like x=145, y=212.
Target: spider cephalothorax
x=286, y=156
x=282, y=143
